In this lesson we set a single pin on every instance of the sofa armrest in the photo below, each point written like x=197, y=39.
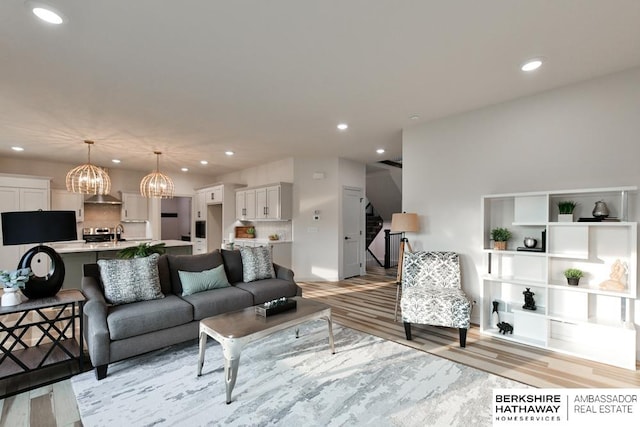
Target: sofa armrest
x=283, y=272
x=96, y=330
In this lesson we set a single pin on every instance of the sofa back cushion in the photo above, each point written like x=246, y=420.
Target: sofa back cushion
x=130, y=280
x=232, y=265
x=191, y=263
x=164, y=274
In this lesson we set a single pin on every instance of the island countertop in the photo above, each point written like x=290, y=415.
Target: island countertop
x=76, y=247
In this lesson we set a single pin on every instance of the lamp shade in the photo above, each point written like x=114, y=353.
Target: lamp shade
x=19, y=228
x=404, y=222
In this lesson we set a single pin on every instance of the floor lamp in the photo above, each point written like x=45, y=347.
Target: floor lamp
x=403, y=223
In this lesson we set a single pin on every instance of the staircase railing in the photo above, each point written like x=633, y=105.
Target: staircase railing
x=391, y=248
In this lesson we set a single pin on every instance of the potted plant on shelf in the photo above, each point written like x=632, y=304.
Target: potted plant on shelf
x=142, y=250
x=573, y=276
x=565, y=209
x=251, y=232
x=12, y=281
x=500, y=236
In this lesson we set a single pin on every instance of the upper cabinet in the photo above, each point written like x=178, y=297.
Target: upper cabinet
x=135, y=208
x=214, y=195
x=268, y=203
x=200, y=205
x=63, y=200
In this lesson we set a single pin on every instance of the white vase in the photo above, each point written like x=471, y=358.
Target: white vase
x=11, y=297
x=565, y=217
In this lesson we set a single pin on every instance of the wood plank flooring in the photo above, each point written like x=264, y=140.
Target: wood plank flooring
x=367, y=304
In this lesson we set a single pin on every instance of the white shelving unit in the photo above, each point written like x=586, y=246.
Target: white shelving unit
x=584, y=320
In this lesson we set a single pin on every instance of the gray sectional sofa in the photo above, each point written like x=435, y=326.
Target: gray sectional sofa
x=116, y=332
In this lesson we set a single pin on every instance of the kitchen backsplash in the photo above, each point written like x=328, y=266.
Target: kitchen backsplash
x=265, y=228
x=109, y=216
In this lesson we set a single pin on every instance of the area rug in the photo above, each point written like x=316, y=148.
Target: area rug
x=284, y=381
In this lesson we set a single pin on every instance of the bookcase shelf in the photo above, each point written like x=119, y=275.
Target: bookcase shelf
x=585, y=320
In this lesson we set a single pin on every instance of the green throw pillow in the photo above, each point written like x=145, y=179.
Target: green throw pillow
x=194, y=282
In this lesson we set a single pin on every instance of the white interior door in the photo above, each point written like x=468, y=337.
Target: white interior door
x=352, y=213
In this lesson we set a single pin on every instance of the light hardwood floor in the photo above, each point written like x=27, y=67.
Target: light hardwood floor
x=367, y=304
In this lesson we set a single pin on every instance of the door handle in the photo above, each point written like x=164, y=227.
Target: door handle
x=347, y=238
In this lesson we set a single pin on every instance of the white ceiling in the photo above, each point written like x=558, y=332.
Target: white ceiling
x=271, y=79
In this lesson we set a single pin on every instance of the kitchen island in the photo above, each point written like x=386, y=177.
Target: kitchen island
x=75, y=255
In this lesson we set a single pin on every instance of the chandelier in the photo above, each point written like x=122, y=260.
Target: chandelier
x=87, y=178
x=157, y=184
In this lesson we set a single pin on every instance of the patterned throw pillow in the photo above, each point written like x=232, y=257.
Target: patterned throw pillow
x=130, y=280
x=199, y=281
x=256, y=264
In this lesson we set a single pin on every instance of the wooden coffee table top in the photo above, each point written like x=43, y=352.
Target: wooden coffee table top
x=245, y=322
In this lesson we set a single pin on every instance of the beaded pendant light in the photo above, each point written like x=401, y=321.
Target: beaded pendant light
x=87, y=178
x=157, y=184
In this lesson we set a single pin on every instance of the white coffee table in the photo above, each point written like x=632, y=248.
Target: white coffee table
x=236, y=329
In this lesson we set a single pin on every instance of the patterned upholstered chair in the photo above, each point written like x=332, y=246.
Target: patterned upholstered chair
x=432, y=293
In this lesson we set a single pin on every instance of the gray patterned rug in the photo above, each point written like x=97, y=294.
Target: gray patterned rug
x=292, y=382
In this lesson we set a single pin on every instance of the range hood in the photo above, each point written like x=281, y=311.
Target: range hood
x=103, y=199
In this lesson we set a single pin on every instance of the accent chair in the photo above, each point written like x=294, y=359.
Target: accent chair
x=432, y=292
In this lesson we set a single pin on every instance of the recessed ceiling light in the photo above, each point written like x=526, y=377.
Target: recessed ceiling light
x=46, y=13
x=185, y=169
x=229, y=153
x=17, y=148
x=204, y=162
x=414, y=117
x=343, y=126
x=532, y=64
x=380, y=150
x=116, y=160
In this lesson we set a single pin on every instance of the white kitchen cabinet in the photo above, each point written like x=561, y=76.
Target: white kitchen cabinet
x=199, y=246
x=63, y=200
x=135, y=207
x=246, y=204
x=22, y=193
x=267, y=203
x=587, y=320
x=214, y=195
x=200, y=206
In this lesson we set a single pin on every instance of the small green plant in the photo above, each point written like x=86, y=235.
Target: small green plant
x=573, y=273
x=16, y=278
x=141, y=251
x=251, y=230
x=500, y=234
x=566, y=207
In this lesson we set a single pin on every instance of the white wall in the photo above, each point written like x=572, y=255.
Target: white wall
x=580, y=136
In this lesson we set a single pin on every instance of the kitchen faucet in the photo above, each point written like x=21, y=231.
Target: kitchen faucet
x=116, y=231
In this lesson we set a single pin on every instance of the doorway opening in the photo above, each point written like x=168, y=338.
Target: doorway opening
x=175, y=219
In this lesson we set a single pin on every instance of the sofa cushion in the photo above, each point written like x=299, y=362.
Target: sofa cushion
x=256, y=263
x=164, y=275
x=191, y=263
x=269, y=289
x=130, y=320
x=232, y=265
x=198, y=281
x=217, y=301
x=130, y=280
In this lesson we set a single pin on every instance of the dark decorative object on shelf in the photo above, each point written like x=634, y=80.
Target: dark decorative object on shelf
x=275, y=306
x=21, y=228
x=542, y=248
x=529, y=302
x=600, y=210
x=495, y=317
x=505, y=327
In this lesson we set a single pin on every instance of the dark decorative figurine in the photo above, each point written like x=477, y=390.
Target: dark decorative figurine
x=529, y=302
x=504, y=327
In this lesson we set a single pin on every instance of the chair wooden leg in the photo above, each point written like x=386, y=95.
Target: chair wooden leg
x=407, y=330
x=463, y=337
x=395, y=315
